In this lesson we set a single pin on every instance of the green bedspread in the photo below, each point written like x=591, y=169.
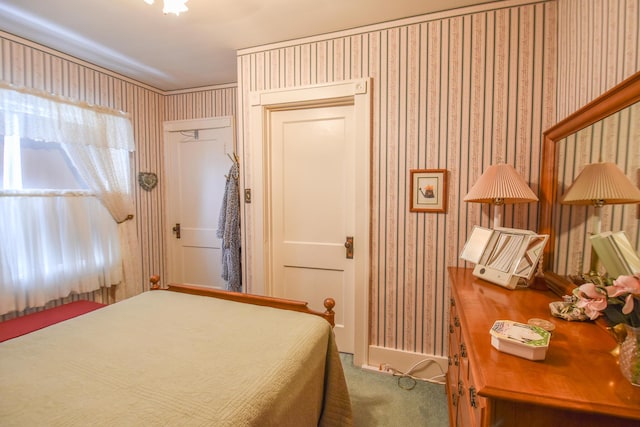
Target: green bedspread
x=172, y=359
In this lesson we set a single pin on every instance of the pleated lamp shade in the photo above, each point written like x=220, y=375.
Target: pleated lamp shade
x=601, y=184
x=500, y=184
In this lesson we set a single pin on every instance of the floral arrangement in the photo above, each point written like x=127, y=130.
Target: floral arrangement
x=618, y=300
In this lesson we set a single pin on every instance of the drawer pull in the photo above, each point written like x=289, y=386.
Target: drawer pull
x=472, y=397
x=455, y=360
x=452, y=302
x=450, y=328
x=463, y=350
x=460, y=388
x=456, y=321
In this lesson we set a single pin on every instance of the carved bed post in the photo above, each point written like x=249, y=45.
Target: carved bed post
x=155, y=282
x=329, y=314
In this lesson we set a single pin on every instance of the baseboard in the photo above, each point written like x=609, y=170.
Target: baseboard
x=384, y=359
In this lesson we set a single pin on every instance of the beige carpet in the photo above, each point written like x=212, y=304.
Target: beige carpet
x=378, y=400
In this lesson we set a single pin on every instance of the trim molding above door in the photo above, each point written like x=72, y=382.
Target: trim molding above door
x=352, y=92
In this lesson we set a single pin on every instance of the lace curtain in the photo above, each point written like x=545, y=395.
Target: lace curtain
x=43, y=117
x=99, y=142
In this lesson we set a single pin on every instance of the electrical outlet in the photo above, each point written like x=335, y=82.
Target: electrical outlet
x=381, y=369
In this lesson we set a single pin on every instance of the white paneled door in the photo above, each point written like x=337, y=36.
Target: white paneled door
x=197, y=155
x=313, y=210
x=310, y=194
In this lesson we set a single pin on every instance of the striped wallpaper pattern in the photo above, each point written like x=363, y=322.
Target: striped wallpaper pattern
x=458, y=91
x=24, y=63
x=598, y=47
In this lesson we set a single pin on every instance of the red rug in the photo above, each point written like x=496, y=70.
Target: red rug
x=32, y=322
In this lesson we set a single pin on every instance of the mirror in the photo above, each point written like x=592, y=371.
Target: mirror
x=562, y=142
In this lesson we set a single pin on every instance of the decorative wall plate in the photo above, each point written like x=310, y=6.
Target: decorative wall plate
x=147, y=180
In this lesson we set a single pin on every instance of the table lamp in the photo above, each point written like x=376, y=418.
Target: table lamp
x=499, y=185
x=600, y=184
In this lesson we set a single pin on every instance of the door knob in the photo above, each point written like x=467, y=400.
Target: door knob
x=349, y=245
x=176, y=230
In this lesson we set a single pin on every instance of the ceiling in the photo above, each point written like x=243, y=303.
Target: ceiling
x=197, y=48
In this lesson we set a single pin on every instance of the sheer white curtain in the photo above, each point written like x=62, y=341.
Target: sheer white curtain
x=106, y=170
x=56, y=243
x=99, y=142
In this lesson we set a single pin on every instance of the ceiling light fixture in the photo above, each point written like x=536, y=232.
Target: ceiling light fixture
x=172, y=6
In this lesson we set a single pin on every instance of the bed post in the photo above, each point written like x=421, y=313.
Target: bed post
x=329, y=314
x=155, y=282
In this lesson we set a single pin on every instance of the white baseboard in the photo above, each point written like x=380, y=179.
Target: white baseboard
x=387, y=359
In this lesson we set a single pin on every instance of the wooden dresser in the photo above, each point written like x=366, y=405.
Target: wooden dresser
x=578, y=384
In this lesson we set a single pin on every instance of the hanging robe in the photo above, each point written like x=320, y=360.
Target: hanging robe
x=229, y=231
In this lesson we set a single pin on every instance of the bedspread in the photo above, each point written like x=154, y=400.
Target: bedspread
x=166, y=358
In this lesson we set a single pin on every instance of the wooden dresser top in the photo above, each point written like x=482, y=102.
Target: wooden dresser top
x=579, y=372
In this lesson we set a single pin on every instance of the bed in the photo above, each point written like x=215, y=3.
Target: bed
x=178, y=357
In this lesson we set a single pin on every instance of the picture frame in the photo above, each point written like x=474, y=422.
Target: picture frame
x=428, y=190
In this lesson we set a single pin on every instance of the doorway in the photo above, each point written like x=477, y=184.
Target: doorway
x=310, y=196
x=198, y=154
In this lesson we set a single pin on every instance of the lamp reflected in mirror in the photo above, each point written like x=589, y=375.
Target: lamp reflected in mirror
x=600, y=184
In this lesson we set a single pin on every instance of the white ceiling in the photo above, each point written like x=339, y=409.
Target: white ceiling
x=197, y=48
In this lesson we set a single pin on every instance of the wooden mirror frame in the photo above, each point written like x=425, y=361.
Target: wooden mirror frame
x=619, y=97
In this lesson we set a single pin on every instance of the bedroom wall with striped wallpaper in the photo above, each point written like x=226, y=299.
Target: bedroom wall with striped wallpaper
x=201, y=103
x=598, y=47
x=27, y=64
x=459, y=90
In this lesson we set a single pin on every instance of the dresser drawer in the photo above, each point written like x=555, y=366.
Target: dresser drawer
x=453, y=370
x=469, y=407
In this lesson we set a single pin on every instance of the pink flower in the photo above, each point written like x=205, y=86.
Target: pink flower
x=626, y=285
x=591, y=300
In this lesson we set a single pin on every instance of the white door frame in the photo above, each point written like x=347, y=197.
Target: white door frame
x=170, y=184
x=354, y=92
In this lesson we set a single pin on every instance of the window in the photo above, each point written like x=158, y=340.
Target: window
x=64, y=188
x=29, y=165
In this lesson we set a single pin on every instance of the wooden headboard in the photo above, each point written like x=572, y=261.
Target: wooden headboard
x=282, y=303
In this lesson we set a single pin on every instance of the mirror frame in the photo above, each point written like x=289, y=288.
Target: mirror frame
x=612, y=101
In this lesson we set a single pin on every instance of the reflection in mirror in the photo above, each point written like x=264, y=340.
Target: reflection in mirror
x=614, y=139
x=505, y=252
x=567, y=251
x=529, y=260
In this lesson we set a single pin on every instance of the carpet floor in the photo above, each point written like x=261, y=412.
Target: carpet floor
x=378, y=399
